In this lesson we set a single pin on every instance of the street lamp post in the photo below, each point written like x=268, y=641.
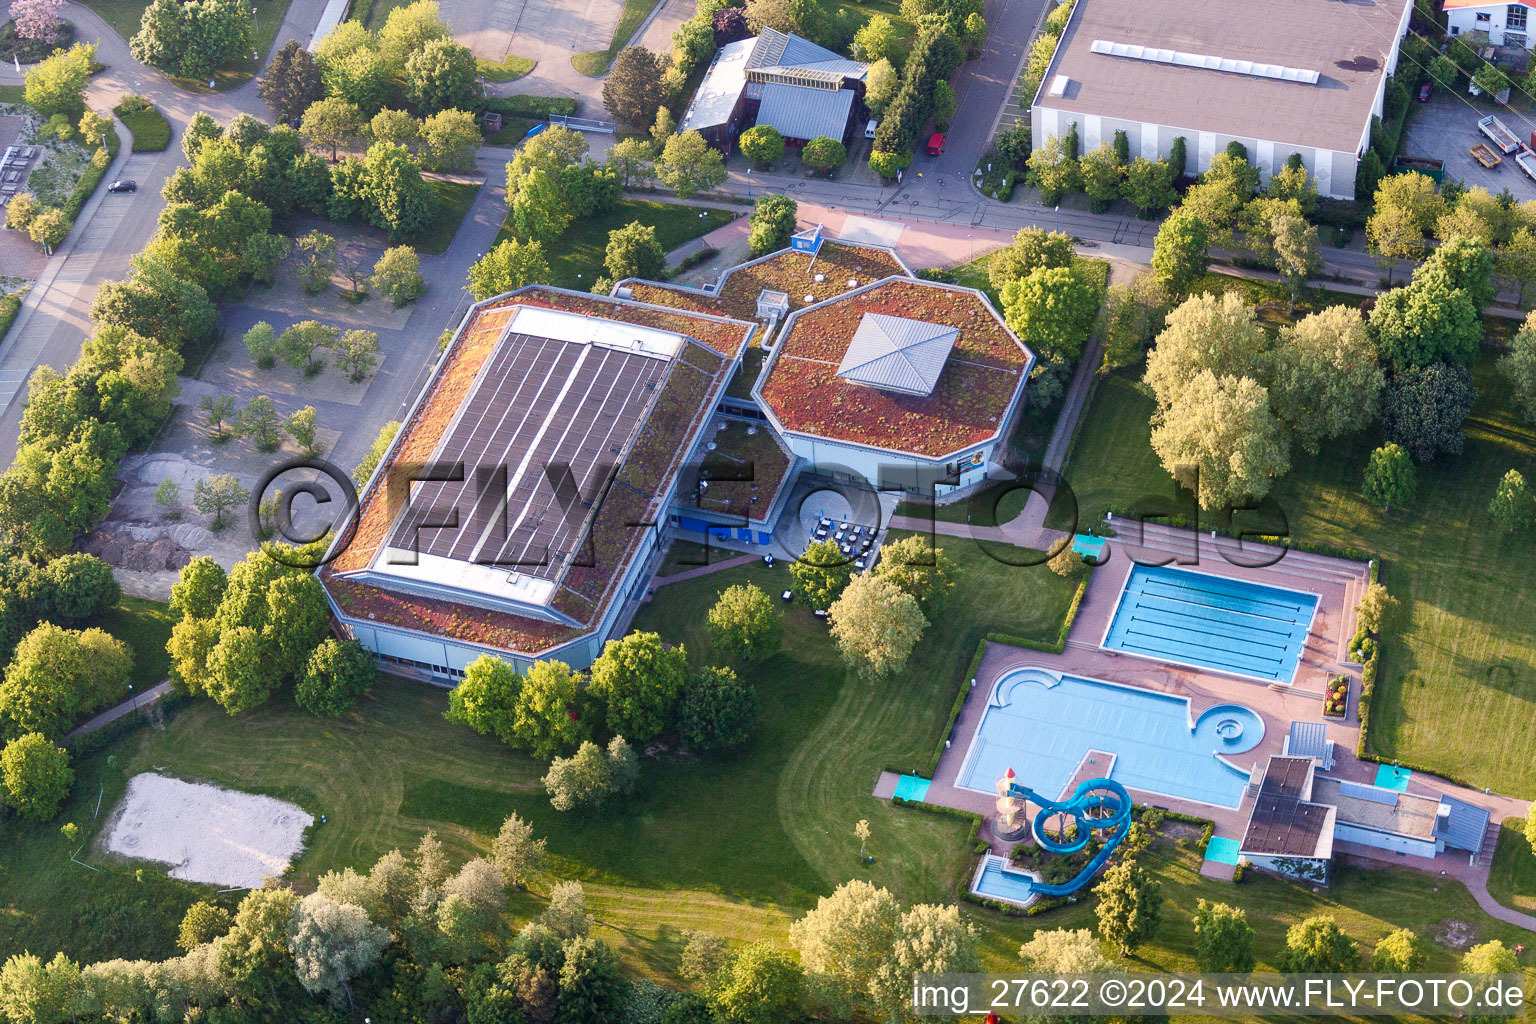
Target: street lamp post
x=749, y=184
x=133, y=699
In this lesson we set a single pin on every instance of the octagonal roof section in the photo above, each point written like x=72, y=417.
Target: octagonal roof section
x=914, y=367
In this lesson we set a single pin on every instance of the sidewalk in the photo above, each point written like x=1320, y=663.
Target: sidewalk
x=705, y=570
x=137, y=702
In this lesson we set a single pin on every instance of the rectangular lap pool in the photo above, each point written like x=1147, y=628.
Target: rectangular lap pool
x=1041, y=724
x=1204, y=621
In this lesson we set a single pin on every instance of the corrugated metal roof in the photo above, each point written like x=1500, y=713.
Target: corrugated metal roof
x=1308, y=739
x=803, y=113
x=1465, y=827
x=897, y=354
x=721, y=87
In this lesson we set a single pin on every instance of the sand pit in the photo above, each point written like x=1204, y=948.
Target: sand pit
x=207, y=834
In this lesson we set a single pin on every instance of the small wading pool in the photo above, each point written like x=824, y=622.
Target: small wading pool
x=1222, y=850
x=997, y=880
x=910, y=787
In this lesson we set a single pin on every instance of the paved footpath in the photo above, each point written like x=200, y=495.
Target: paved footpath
x=137, y=702
x=705, y=570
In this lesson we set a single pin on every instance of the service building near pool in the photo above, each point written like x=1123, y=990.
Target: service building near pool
x=565, y=439
x=1277, y=76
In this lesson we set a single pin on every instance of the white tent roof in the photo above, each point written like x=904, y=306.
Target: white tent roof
x=897, y=354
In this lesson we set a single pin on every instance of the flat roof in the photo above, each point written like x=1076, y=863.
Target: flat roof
x=1283, y=822
x=1229, y=90
x=539, y=375
x=1385, y=810
x=982, y=375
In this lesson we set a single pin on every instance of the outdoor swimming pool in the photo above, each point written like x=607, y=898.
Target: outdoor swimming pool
x=996, y=880
x=1041, y=725
x=1193, y=618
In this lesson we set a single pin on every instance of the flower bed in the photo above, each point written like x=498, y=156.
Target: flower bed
x=1336, y=699
x=966, y=407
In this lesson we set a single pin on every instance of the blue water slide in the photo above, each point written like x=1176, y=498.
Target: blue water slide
x=1090, y=795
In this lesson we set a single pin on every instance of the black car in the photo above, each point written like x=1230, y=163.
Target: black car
x=123, y=185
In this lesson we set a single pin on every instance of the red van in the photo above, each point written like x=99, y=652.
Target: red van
x=935, y=144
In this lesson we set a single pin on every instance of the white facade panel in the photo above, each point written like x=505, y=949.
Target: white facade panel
x=1384, y=840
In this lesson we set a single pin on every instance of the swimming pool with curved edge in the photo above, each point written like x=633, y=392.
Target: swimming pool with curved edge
x=1042, y=723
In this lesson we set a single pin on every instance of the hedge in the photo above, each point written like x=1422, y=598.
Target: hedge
x=94, y=172
x=537, y=107
x=955, y=707
x=10, y=306
x=934, y=57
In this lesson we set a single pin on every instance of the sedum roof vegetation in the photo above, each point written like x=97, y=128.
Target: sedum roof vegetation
x=979, y=380
x=787, y=271
x=737, y=453
x=682, y=402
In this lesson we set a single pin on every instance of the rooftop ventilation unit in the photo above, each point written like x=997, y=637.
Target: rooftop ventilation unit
x=1231, y=65
x=1060, y=82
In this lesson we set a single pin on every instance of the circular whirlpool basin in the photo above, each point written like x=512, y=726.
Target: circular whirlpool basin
x=1230, y=728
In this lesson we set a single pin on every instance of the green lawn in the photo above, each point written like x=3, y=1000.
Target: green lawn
x=145, y=626
x=454, y=198
x=576, y=258
x=509, y=70
x=1462, y=670
x=151, y=131
x=123, y=15
x=1512, y=878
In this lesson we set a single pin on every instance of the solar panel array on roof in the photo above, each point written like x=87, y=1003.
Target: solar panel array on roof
x=1282, y=824
x=545, y=426
x=1373, y=794
x=1465, y=828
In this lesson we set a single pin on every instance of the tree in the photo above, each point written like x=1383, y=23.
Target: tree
x=637, y=679
x=632, y=92
x=583, y=780
x=1180, y=253
x=1390, y=479
x=486, y=697
x=332, y=943
x=1491, y=957
x=1133, y=315
x=1444, y=71
x=876, y=40
x=1398, y=952
x=1423, y=409
x=154, y=303
x=38, y=19
x=876, y=624
x=566, y=916
x=440, y=76
x=22, y=209
x=332, y=123
x=291, y=82
x=216, y=410
x=930, y=939
x=261, y=254
x=56, y=674
x=881, y=83
x=1130, y=906
x=241, y=675
x=381, y=444
x=214, y=495
x=391, y=191
x=822, y=154
x=760, y=985
x=1491, y=79
x=745, y=625
x=509, y=265
x=261, y=343
x=1223, y=939
x=1223, y=191
x=716, y=710
x=297, y=345
x=918, y=568
x=1053, y=169
x=1032, y=249
x=592, y=984
x=396, y=126
x=94, y=128
x=193, y=39
x=168, y=497
x=49, y=228
x=634, y=252
x=1297, y=255
x=449, y=140
x=516, y=852
x=819, y=575
x=1519, y=368
x=56, y=84
x=762, y=144
x=361, y=77
x=849, y=935
x=356, y=353
x=35, y=775
x=1148, y=186
x=1319, y=946
x=1205, y=332
x=771, y=224
x=1512, y=505
x=1323, y=378
x=1103, y=174
x=410, y=28
x=1220, y=439
x=688, y=165
x=199, y=589
x=1053, y=308
x=202, y=923
x=336, y=674
x=630, y=161
x=546, y=718
x=319, y=252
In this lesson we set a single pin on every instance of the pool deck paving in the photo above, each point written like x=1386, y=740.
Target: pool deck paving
x=1338, y=584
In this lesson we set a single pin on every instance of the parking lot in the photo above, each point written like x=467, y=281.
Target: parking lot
x=1445, y=128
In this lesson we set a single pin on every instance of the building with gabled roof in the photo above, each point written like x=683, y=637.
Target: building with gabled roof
x=776, y=78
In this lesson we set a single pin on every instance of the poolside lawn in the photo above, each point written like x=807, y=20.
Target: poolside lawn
x=576, y=258
x=454, y=199
x=1462, y=667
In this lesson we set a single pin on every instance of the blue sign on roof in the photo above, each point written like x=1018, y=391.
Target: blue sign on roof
x=806, y=241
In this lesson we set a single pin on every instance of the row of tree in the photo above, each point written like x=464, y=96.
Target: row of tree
x=1105, y=174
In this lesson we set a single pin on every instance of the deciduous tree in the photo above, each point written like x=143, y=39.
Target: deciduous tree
x=689, y=166
x=1205, y=332
x=1053, y=309
x=823, y=154
x=546, y=717
x=771, y=224
x=917, y=567
x=1181, y=252
x=486, y=698
x=1513, y=507
x=1423, y=409
x=637, y=679
x=516, y=852
x=760, y=985
x=56, y=84
x=1398, y=952
x=357, y=353
x=331, y=123
x=442, y=75
x=397, y=275
x=291, y=81
x=36, y=777
x=1319, y=946
x=876, y=624
x=1223, y=939
x=1130, y=906
x=762, y=144
x=331, y=943
x=1323, y=378
x=717, y=710
x=634, y=252
x=1219, y=438
x=298, y=344
x=744, y=624
x=819, y=575
x=509, y=265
